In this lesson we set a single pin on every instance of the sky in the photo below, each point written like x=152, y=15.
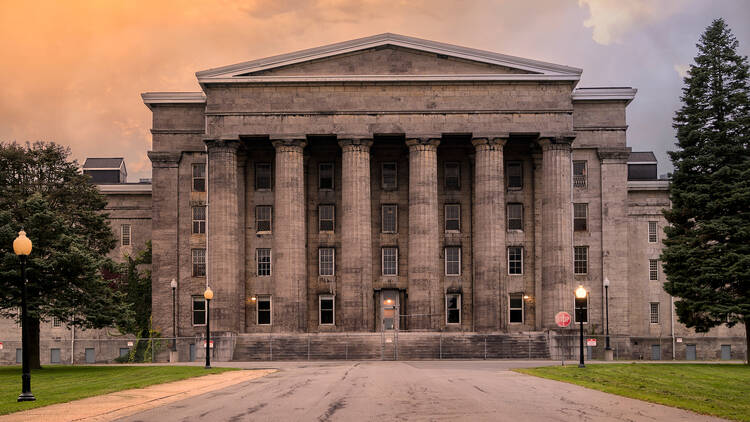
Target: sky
x=73, y=71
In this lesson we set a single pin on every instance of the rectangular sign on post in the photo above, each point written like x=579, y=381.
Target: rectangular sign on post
x=591, y=342
x=1, y=346
x=210, y=345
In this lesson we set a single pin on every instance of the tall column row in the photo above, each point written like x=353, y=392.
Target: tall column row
x=425, y=295
x=488, y=244
x=223, y=235
x=289, y=242
x=356, y=236
x=557, y=228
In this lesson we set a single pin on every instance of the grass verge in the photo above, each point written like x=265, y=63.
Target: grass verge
x=60, y=384
x=713, y=389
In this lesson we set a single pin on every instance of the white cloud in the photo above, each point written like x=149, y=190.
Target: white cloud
x=682, y=69
x=611, y=19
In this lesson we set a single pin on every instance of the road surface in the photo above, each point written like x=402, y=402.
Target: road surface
x=408, y=391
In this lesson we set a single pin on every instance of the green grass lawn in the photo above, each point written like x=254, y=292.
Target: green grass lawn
x=713, y=389
x=59, y=384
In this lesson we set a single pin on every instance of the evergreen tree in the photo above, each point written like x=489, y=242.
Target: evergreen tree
x=46, y=195
x=707, y=253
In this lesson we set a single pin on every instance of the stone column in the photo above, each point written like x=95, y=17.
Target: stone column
x=164, y=235
x=614, y=193
x=425, y=295
x=536, y=156
x=289, y=267
x=224, y=233
x=488, y=244
x=355, y=265
x=557, y=229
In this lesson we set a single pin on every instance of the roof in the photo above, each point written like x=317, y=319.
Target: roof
x=534, y=69
x=103, y=163
x=642, y=157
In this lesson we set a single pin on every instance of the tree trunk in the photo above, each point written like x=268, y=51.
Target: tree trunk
x=747, y=341
x=33, y=332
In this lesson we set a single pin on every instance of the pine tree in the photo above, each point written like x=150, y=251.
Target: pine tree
x=46, y=195
x=707, y=247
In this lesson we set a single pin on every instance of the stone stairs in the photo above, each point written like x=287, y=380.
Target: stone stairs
x=390, y=346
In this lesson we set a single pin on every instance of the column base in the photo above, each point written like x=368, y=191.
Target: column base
x=26, y=397
x=609, y=354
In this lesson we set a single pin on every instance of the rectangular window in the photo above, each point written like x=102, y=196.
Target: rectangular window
x=581, y=259
x=262, y=176
x=580, y=217
x=326, y=216
x=390, y=261
x=453, y=260
x=263, y=218
x=515, y=175
x=325, y=176
x=653, y=269
x=654, y=312
x=327, y=305
x=389, y=218
x=125, y=234
x=199, y=177
x=199, y=310
x=515, y=216
x=264, y=261
x=199, y=262
x=390, y=176
x=515, y=260
x=264, y=310
x=453, y=308
x=652, y=235
x=452, y=217
x=579, y=174
x=326, y=261
x=452, y=175
x=199, y=220
x=56, y=322
x=516, y=308
x=581, y=309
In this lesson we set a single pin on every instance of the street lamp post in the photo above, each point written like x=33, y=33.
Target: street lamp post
x=606, y=298
x=581, y=294
x=22, y=248
x=173, y=284
x=208, y=295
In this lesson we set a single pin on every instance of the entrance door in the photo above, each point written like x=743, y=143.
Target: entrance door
x=389, y=309
x=655, y=352
x=726, y=352
x=690, y=352
x=90, y=355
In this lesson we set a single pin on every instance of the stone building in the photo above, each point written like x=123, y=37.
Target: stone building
x=391, y=182
x=396, y=185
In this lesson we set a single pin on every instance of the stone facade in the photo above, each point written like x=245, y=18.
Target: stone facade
x=395, y=183
x=447, y=124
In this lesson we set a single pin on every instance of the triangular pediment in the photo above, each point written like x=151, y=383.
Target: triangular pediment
x=388, y=57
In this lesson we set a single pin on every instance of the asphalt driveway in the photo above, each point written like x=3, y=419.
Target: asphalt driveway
x=408, y=391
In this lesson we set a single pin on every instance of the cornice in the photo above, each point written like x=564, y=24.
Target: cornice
x=152, y=98
x=626, y=94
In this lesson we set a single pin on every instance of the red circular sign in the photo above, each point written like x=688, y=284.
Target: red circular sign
x=562, y=319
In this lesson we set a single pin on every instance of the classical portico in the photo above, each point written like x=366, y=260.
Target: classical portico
x=387, y=183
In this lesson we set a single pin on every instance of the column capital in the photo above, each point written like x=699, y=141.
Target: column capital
x=164, y=158
x=355, y=144
x=222, y=144
x=613, y=155
x=289, y=144
x=423, y=143
x=561, y=141
x=489, y=142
